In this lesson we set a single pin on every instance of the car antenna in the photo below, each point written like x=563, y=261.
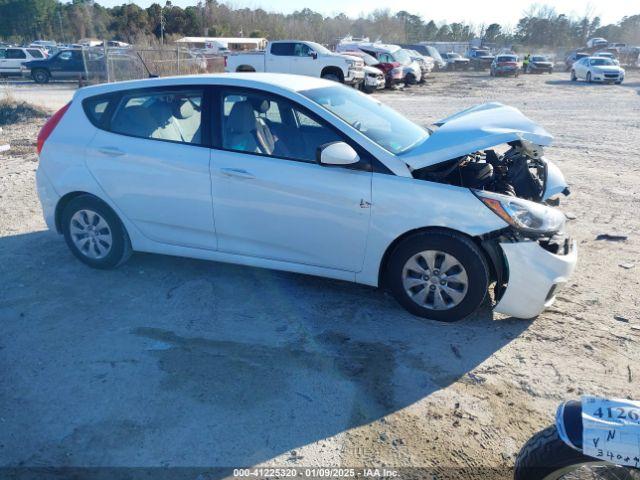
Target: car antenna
x=151, y=75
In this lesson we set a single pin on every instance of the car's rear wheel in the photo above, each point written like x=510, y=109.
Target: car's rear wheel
x=40, y=76
x=574, y=77
x=588, y=77
x=439, y=275
x=94, y=233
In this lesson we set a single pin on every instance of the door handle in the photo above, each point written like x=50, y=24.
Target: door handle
x=111, y=151
x=236, y=172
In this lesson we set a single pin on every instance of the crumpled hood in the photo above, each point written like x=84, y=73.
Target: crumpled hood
x=473, y=129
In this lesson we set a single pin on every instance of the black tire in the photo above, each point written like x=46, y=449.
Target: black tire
x=589, y=77
x=574, y=77
x=410, y=79
x=334, y=77
x=463, y=249
x=120, y=249
x=545, y=453
x=40, y=76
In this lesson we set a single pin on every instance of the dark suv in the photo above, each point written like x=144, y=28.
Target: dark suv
x=64, y=65
x=480, y=58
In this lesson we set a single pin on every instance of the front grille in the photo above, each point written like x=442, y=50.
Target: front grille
x=611, y=75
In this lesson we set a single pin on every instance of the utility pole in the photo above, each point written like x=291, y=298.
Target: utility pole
x=61, y=30
x=162, y=26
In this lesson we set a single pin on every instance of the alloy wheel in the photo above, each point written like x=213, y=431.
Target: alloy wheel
x=91, y=234
x=434, y=279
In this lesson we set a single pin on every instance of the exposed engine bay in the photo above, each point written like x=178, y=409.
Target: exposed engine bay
x=519, y=172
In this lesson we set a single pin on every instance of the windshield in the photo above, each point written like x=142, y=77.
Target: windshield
x=539, y=59
x=380, y=123
x=319, y=48
x=402, y=56
x=453, y=55
x=483, y=53
x=601, y=61
x=507, y=58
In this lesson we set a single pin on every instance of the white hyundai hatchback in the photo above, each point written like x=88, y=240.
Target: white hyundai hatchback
x=304, y=175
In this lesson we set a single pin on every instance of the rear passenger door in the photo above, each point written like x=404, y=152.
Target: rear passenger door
x=279, y=60
x=151, y=157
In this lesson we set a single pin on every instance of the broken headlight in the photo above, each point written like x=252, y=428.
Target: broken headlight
x=529, y=217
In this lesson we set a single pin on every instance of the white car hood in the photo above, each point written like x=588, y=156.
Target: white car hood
x=473, y=129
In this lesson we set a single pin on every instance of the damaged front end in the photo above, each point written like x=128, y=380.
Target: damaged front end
x=499, y=157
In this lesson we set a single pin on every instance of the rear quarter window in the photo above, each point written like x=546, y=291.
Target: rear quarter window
x=95, y=108
x=35, y=53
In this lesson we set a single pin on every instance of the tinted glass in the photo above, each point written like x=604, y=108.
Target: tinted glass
x=264, y=124
x=282, y=49
x=95, y=108
x=15, y=53
x=35, y=53
x=3, y=53
x=173, y=115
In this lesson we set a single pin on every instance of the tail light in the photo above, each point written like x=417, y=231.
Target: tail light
x=50, y=125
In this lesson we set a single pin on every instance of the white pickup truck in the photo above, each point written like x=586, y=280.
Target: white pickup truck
x=300, y=58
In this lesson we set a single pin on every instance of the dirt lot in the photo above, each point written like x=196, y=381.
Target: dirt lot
x=177, y=362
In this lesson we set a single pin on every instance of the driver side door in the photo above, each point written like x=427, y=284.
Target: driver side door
x=302, y=62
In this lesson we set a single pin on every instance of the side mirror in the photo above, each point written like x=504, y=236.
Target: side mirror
x=314, y=55
x=337, y=153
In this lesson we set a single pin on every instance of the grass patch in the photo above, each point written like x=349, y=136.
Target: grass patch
x=14, y=111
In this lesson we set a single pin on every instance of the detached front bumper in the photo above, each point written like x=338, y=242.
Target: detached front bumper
x=535, y=274
x=374, y=81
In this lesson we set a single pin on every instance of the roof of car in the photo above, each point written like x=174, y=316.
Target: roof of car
x=281, y=81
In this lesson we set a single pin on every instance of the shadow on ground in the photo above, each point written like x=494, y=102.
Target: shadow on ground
x=177, y=362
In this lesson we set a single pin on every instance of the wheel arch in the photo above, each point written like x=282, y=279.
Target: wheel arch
x=334, y=70
x=245, y=68
x=392, y=246
x=67, y=198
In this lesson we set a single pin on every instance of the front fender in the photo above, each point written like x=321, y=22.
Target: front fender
x=401, y=205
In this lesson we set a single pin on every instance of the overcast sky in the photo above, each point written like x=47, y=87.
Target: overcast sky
x=506, y=12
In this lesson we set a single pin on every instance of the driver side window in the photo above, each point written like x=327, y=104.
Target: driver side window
x=260, y=123
x=302, y=50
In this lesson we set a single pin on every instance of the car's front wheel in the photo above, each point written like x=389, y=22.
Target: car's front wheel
x=439, y=275
x=94, y=233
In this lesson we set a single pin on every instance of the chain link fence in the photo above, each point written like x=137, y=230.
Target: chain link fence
x=115, y=64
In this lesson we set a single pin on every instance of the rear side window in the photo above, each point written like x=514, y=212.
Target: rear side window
x=35, y=53
x=95, y=108
x=16, y=53
x=174, y=116
x=283, y=49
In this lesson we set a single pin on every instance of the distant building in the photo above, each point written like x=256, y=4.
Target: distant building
x=223, y=44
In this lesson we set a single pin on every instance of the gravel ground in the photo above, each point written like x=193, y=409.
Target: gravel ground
x=177, y=362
